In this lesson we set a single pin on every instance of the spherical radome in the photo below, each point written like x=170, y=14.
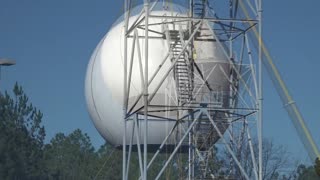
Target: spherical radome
x=104, y=81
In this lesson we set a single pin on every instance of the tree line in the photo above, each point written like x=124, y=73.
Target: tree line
x=24, y=154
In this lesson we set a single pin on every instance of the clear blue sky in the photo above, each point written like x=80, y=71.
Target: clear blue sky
x=52, y=41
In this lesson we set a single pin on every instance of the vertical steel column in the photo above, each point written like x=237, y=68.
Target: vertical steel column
x=136, y=121
x=190, y=155
x=192, y=149
x=252, y=153
x=146, y=48
x=130, y=150
x=260, y=114
x=231, y=28
x=125, y=28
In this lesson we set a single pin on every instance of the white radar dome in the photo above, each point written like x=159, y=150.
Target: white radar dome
x=104, y=78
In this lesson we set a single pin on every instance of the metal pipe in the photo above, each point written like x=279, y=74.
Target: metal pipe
x=153, y=76
x=227, y=146
x=125, y=27
x=145, y=146
x=159, y=67
x=138, y=143
x=231, y=62
x=130, y=150
x=192, y=152
x=199, y=19
x=140, y=62
x=151, y=79
x=287, y=100
x=136, y=23
x=191, y=115
x=251, y=7
x=167, y=73
x=162, y=145
x=178, y=146
x=251, y=63
x=130, y=70
x=190, y=149
x=253, y=158
x=260, y=113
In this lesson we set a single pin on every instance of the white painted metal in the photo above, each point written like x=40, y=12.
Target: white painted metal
x=104, y=80
x=215, y=74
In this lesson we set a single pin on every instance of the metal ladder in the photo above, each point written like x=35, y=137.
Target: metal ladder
x=181, y=68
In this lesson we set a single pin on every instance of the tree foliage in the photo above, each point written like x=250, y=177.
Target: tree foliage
x=275, y=162
x=304, y=172
x=21, y=136
x=24, y=155
x=69, y=157
x=317, y=166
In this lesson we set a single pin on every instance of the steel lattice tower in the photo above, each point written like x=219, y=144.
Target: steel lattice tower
x=212, y=103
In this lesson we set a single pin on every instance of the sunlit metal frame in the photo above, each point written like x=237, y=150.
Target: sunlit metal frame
x=255, y=92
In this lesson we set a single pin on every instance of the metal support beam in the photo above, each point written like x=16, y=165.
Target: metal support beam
x=198, y=19
x=227, y=146
x=260, y=113
x=130, y=150
x=230, y=61
x=174, y=62
x=146, y=55
x=136, y=121
x=178, y=146
x=140, y=128
x=253, y=157
x=162, y=145
x=130, y=70
x=125, y=45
